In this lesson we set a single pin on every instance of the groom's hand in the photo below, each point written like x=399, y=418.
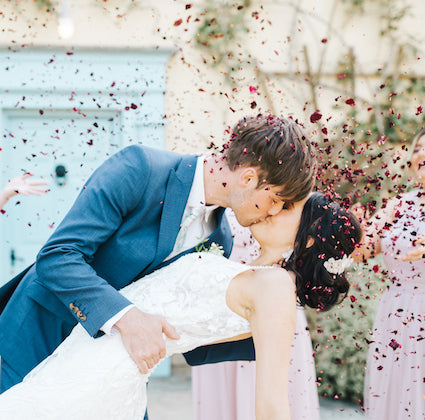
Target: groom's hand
x=142, y=337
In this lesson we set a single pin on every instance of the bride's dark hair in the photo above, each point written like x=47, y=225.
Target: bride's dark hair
x=335, y=233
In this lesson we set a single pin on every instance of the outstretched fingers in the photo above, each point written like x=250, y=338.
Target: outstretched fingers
x=22, y=185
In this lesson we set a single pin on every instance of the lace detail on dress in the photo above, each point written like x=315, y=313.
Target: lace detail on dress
x=193, y=302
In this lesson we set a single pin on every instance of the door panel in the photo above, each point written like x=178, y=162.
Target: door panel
x=62, y=148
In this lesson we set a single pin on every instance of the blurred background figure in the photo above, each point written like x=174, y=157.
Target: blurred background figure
x=226, y=391
x=395, y=373
x=24, y=185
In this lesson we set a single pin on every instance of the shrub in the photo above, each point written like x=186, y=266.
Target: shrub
x=340, y=336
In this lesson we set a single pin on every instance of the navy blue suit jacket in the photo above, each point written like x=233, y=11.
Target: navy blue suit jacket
x=121, y=227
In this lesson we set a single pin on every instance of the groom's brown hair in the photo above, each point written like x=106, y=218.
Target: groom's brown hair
x=279, y=148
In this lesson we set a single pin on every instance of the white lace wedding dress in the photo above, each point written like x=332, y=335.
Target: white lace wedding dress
x=88, y=378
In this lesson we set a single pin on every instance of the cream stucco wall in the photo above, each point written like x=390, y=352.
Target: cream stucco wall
x=200, y=103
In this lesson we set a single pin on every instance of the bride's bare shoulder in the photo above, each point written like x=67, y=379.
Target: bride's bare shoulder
x=271, y=280
x=266, y=277
x=260, y=285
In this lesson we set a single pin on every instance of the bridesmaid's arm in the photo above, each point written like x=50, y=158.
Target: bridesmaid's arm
x=373, y=228
x=267, y=298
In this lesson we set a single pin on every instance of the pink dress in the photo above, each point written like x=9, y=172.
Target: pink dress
x=226, y=391
x=395, y=375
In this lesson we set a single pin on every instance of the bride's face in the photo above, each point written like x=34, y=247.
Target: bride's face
x=279, y=231
x=418, y=160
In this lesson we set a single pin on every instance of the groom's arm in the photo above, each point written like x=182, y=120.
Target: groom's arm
x=223, y=352
x=63, y=264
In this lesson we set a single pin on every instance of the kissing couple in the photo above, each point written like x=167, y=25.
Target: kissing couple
x=121, y=283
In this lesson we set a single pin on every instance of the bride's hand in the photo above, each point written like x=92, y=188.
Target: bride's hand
x=142, y=336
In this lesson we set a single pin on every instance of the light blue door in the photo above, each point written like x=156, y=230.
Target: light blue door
x=62, y=114
x=60, y=148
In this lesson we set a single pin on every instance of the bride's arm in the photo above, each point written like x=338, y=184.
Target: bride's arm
x=269, y=303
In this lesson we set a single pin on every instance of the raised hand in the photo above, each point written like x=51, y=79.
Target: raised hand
x=417, y=250
x=22, y=185
x=142, y=336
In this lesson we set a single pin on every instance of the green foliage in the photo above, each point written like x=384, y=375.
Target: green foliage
x=340, y=336
x=371, y=158
x=392, y=12
x=48, y=4
x=222, y=26
x=367, y=165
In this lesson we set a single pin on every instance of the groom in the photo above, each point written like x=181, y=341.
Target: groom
x=140, y=210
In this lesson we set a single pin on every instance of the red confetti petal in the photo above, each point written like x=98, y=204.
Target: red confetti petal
x=315, y=116
x=394, y=345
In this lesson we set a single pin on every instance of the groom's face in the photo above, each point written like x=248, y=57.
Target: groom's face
x=280, y=231
x=254, y=205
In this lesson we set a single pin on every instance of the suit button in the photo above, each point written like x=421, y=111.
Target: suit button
x=72, y=307
x=82, y=317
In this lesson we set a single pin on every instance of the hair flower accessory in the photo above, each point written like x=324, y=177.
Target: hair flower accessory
x=334, y=266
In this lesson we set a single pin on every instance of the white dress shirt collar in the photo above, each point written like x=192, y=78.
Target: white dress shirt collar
x=197, y=192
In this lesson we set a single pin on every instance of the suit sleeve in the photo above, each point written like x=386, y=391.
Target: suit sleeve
x=223, y=352
x=63, y=264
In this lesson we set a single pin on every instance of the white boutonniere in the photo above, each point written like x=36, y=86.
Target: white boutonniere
x=213, y=248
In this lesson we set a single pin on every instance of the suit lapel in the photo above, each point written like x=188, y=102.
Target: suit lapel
x=175, y=199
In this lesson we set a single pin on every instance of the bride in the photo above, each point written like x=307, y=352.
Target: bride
x=208, y=299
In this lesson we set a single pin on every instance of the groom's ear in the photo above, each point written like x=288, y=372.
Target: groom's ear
x=248, y=177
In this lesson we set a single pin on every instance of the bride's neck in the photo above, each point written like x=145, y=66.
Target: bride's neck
x=267, y=257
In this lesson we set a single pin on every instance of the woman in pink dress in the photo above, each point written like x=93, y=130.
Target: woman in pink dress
x=226, y=391
x=395, y=374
